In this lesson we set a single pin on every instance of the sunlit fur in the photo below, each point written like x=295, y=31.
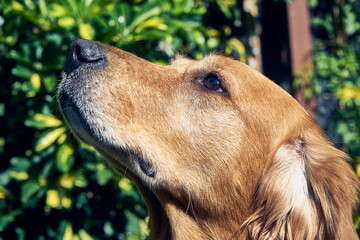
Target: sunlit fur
x=249, y=164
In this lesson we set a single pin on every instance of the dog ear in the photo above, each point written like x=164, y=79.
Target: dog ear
x=306, y=191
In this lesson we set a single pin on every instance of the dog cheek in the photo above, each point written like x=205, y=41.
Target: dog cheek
x=210, y=144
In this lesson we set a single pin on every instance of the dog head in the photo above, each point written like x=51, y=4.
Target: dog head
x=215, y=148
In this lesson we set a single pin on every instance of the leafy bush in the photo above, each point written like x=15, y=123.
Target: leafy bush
x=336, y=78
x=50, y=185
x=336, y=26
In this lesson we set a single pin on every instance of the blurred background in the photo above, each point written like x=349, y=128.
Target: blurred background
x=52, y=187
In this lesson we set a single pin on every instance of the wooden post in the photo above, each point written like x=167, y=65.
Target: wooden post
x=300, y=48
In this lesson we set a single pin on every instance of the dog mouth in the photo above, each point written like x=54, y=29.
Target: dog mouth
x=129, y=163
x=81, y=121
x=74, y=118
x=89, y=115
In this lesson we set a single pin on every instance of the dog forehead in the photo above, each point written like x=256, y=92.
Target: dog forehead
x=225, y=66
x=181, y=60
x=214, y=61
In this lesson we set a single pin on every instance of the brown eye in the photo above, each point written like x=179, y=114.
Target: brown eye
x=213, y=83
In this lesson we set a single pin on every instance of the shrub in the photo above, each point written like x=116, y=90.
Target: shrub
x=51, y=186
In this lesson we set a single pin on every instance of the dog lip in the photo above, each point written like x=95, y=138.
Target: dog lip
x=83, y=131
x=146, y=166
x=74, y=117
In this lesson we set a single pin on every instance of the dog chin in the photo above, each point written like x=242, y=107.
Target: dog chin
x=82, y=123
x=87, y=127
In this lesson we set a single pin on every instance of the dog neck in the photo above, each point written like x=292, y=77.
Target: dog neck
x=187, y=216
x=186, y=222
x=208, y=217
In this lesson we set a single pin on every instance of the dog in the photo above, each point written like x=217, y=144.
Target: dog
x=217, y=150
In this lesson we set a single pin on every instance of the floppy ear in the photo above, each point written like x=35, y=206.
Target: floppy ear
x=306, y=191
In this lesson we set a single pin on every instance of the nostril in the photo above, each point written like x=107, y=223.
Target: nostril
x=83, y=52
x=77, y=51
x=88, y=53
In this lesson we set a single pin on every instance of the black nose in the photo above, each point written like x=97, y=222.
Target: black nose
x=83, y=52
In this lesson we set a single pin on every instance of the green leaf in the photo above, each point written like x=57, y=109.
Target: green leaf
x=155, y=22
x=46, y=170
x=103, y=176
x=4, y=178
x=81, y=181
x=108, y=229
x=47, y=138
x=150, y=34
x=199, y=37
x=68, y=233
x=58, y=11
x=28, y=189
x=20, y=164
x=313, y=3
x=64, y=157
x=238, y=46
x=26, y=50
x=86, y=31
x=84, y=235
x=125, y=185
x=224, y=8
x=35, y=82
x=182, y=6
x=90, y=166
x=41, y=121
x=5, y=220
x=22, y=71
x=135, y=228
x=21, y=233
x=147, y=11
x=17, y=6
x=2, y=109
x=50, y=83
x=66, y=22
x=43, y=8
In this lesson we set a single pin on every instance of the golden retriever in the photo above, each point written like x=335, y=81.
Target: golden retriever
x=217, y=150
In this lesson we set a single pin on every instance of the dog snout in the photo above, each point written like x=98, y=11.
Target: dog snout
x=83, y=52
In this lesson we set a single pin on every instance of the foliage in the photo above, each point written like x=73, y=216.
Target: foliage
x=336, y=77
x=336, y=25
x=51, y=186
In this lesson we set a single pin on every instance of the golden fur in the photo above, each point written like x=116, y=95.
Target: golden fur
x=249, y=163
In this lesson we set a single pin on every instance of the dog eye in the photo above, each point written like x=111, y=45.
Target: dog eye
x=213, y=83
